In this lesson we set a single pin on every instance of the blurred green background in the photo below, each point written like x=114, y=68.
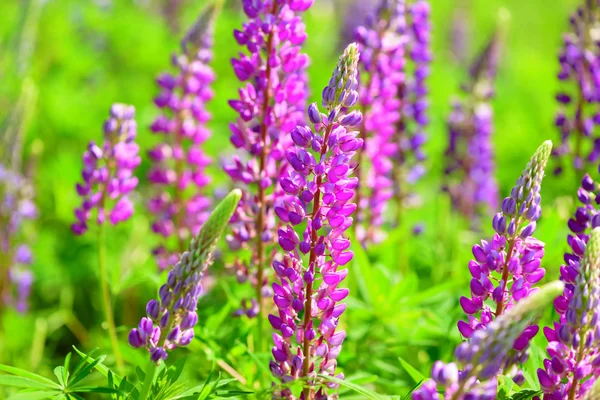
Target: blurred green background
x=79, y=56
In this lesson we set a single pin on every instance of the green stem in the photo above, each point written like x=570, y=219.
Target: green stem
x=150, y=372
x=108, y=313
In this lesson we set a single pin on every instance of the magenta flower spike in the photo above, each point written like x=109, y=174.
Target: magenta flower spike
x=573, y=363
x=270, y=104
x=506, y=268
x=16, y=207
x=178, y=174
x=108, y=172
x=470, y=168
x=393, y=42
x=578, y=102
x=319, y=190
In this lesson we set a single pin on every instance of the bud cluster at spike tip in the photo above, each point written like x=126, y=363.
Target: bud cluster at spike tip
x=108, y=172
x=505, y=268
x=178, y=167
x=470, y=168
x=481, y=359
x=573, y=363
x=579, y=101
x=383, y=44
x=319, y=192
x=270, y=104
x=170, y=319
x=16, y=206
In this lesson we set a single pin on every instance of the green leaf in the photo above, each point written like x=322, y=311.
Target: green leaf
x=19, y=381
x=29, y=375
x=358, y=389
x=38, y=394
x=526, y=395
x=412, y=371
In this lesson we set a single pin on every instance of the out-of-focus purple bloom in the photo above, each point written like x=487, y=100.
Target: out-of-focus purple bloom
x=16, y=206
x=170, y=319
x=355, y=14
x=470, y=165
x=573, y=363
x=178, y=171
x=505, y=268
x=482, y=358
x=270, y=104
x=108, y=172
x=394, y=104
x=579, y=112
x=319, y=201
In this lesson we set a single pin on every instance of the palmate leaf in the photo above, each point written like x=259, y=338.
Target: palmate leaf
x=354, y=387
x=412, y=371
x=29, y=375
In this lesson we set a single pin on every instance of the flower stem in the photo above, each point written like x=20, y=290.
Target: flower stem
x=150, y=372
x=110, y=320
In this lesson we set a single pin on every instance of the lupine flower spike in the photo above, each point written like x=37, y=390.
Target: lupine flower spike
x=308, y=293
x=394, y=106
x=108, y=172
x=16, y=206
x=505, y=268
x=469, y=170
x=579, y=111
x=178, y=171
x=270, y=105
x=574, y=356
x=170, y=319
x=482, y=357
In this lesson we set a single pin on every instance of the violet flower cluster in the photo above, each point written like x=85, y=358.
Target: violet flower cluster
x=320, y=191
x=178, y=172
x=394, y=104
x=482, y=357
x=579, y=110
x=16, y=206
x=470, y=168
x=170, y=320
x=573, y=364
x=505, y=268
x=108, y=172
x=270, y=104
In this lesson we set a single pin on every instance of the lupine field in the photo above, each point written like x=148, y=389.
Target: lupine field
x=300, y=199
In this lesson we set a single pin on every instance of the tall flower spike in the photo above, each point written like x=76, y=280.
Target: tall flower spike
x=579, y=110
x=573, y=344
x=270, y=105
x=470, y=166
x=171, y=318
x=394, y=106
x=16, y=206
x=178, y=163
x=108, y=172
x=505, y=268
x=319, y=187
x=480, y=360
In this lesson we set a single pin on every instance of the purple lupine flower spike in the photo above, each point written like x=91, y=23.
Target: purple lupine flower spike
x=481, y=359
x=319, y=192
x=470, y=166
x=270, y=104
x=579, y=110
x=178, y=172
x=170, y=319
x=573, y=363
x=16, y=206
x=505, y=268
x=108, y=172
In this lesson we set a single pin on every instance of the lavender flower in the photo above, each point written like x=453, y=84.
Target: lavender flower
x=394, y=105
x=179, y=163
x=270, y=103
x=505, y=269
x=469, y=157
x=171, y=318
x=481, y=359
x=574, y=362
x=108, y=172
x=319, y=189
x=578, y=103
x=16, y=206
